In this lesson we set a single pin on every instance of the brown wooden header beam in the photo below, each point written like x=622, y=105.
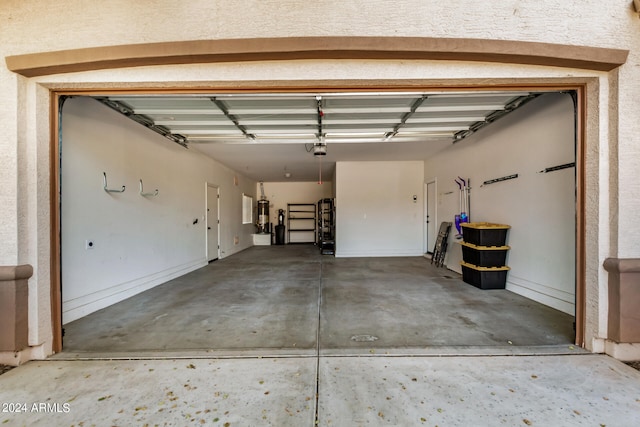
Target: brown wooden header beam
x=292, y=48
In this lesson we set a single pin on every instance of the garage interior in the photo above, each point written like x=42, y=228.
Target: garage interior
x=155, y=187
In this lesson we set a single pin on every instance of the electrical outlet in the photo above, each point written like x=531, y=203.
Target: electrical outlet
x=236, y=240
x=88, y=244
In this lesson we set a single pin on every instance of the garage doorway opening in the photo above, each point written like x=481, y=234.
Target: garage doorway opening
x=316, y=270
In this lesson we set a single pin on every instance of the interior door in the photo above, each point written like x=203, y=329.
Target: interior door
x=213, y=222
x=431, y=218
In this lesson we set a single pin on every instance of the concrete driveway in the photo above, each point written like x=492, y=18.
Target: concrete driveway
x=365, y=390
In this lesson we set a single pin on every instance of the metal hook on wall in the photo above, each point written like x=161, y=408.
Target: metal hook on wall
x=108, y=190
x=557, y=168
x=504, y=178
x=142, y=193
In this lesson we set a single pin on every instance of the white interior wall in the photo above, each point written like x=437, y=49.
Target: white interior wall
x=333, y=182
x=280, y=194
x=376, y=214
x=139, y=242
x=540, y=208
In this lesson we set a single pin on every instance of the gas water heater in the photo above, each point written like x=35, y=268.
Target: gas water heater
x=263, y=217
x=263, y=212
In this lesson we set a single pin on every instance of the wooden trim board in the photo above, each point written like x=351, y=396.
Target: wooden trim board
x=295, y=48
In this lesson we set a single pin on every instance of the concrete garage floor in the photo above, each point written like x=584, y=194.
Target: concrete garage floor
x=290, y=300
x=284, y=337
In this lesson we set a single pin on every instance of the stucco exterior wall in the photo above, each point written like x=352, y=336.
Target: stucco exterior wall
x=30, y=26
x=122, y=21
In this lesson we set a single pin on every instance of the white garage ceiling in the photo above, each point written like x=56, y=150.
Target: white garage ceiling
x=269, y=136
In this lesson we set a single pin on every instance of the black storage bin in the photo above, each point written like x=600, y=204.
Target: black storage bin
x=484, y=256
x=484, y=277
x=279, y=234
x=484, y=233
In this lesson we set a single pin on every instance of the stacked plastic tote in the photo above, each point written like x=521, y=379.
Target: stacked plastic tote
x=484, y=254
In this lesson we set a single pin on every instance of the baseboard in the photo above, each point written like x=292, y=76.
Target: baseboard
x=236, y=249
x=87, y=304
x=379, y=253
x=560, y=300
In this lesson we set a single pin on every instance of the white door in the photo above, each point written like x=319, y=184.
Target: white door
x=213, y=222
x=431, y=218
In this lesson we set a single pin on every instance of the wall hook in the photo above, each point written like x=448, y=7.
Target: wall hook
x=108, y=190
x=557, y=168
x=504, y=178
x=142, y=193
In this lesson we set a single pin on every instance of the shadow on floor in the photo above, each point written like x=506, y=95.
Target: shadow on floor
x=5, y=368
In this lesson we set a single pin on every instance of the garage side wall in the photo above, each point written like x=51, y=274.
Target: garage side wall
x=115, y=245
x=376, y=214
x=539, y=207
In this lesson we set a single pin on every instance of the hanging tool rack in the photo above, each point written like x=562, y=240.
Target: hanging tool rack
x=465, y=201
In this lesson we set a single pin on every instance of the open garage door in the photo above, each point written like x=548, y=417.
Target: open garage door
x=146, y=251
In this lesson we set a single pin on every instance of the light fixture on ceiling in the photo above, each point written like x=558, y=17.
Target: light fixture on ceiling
x=320, y=149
